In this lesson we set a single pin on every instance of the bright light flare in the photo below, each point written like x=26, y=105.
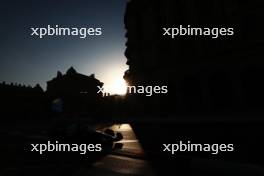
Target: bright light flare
x=117, y=87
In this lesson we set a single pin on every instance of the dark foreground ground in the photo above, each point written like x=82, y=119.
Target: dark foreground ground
x=246, y=134
x=142, y=152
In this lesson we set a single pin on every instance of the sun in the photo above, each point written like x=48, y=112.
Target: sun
x=116, y=87
x=119, y=87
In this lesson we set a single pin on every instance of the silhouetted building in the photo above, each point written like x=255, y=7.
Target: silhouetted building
x=78, y=92
x=21, y=99
x=203, y=75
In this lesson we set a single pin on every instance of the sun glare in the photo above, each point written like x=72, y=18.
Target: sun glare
x=118, y=87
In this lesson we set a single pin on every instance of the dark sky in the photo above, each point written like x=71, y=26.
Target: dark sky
x=28, y=60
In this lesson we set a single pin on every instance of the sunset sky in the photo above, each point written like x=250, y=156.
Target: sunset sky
x=28, y=60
